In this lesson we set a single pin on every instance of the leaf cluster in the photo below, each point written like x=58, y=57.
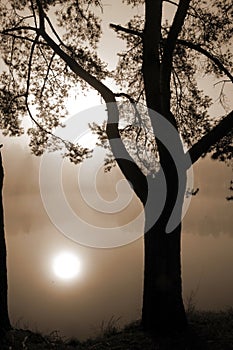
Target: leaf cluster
x=34, y=80
x=208, y=26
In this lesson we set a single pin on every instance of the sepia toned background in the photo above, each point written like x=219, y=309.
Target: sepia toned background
x=110, y=281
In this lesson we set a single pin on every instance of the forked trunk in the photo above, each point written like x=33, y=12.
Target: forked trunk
x=4, y=318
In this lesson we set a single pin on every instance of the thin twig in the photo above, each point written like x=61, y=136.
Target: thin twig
x=47, y=74
x=34, y=14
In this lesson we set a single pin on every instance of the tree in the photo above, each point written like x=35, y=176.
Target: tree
x=161, y=63
x=4, y=320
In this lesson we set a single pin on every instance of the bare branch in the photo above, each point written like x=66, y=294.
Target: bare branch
x=123, y=94
x=171, y=2
x=119, y=28
x=188, y=12
x=22, y=18
x=222, y=82
x=15, y=29
x=222, y=98
x=54, y=31
x=47, y=74
x=178, y=96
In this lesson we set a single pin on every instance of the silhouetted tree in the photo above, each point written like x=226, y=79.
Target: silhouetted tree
x=159, y=68
x=4, y=319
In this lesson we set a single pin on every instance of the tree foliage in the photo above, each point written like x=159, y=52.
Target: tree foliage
x=203, y=48
x=37, y=80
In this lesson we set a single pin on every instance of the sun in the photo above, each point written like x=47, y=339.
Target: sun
x=66, y=265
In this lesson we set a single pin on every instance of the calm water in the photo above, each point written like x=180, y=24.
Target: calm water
x=111, y=280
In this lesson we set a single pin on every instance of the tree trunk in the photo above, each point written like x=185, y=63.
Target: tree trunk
x=4, y=317
x=163, y=310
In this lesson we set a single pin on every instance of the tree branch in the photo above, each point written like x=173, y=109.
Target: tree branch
x=104, y=91
x=47, y=74
x=54, y=31
x=206, y=53
x=168, y=51
x=125, y=162
x=151, y=54
x=152, y=75
x=171, y=2
x=46, y=131
x=41, y=15
x=34, y=13
x=174, y=32
x=211, y=138
x=15, y=36
x=28, y=87
x=123, y=94
x=15, y=29
x=119, y=28
x=188, y=12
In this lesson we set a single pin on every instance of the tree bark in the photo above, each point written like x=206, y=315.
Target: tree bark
x=163, y=310
x=4, y=317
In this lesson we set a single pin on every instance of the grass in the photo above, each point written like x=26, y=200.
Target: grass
x=207, y=331
x=215, y=327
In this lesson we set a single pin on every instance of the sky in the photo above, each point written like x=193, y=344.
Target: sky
x=110, y=281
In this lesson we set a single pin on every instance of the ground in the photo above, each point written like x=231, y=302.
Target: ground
x=207, y=331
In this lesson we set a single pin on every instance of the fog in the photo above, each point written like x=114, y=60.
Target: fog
x=110, y=282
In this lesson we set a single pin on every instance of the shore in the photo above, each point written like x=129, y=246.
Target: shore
x=208, y=330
